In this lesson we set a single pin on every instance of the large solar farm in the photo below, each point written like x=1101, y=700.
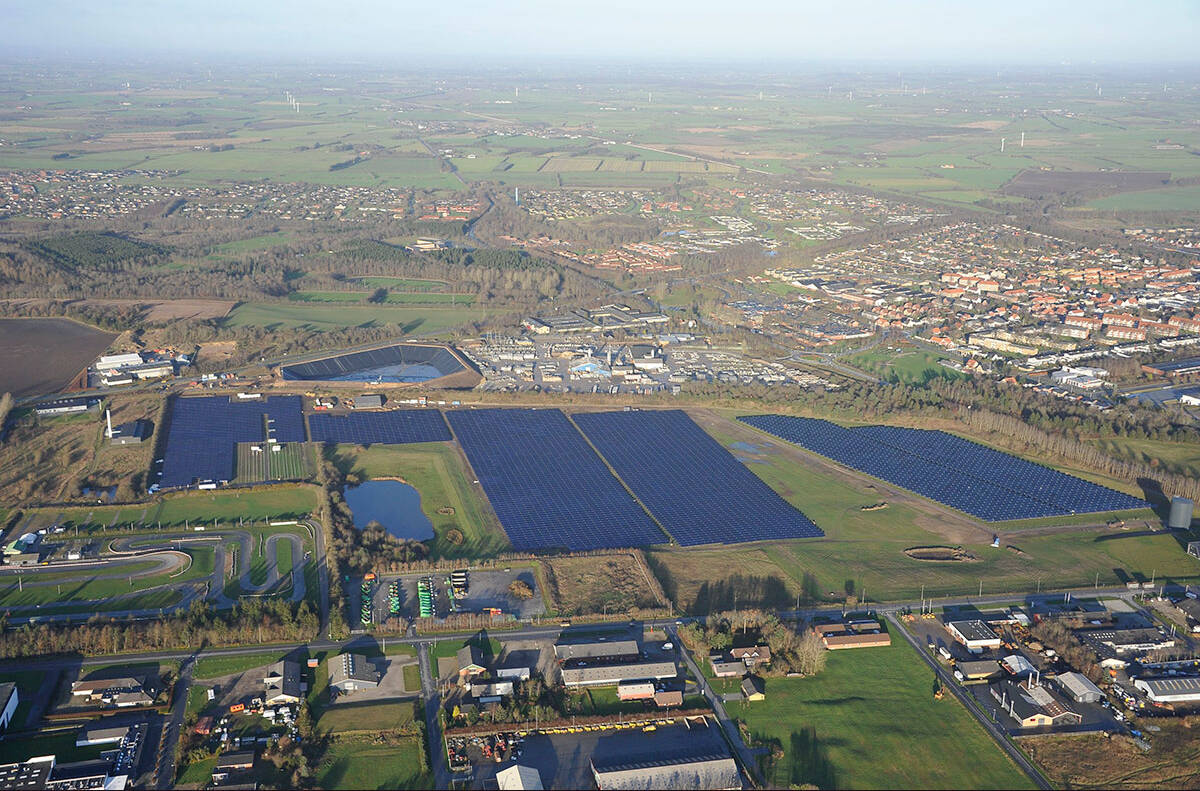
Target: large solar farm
x=632, y=478
x=964, y=475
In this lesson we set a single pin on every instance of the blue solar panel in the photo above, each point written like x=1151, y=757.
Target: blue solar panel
x=547, y=486
x=203, y=433
x=694, y=487
x=973, y=478
x=397, y=427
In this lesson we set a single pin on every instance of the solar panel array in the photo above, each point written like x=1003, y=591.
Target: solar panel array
x=204, y=433
x=692, y=485
x=965, y=475
x=397, y=427
x=547, y=486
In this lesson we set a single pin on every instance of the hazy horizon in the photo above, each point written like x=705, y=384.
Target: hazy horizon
x=770, y=32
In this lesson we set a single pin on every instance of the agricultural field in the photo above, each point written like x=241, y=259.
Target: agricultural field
x=837, y=729
x=62, y=347
x=464, y=525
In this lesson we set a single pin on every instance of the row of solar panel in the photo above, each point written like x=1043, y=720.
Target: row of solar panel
x=547, y=485
x=985, y=483
x=549, y=488
x=203, y=433
x=396, y=427
x=692, y=485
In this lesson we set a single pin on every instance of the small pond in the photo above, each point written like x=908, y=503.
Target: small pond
x=393, y=504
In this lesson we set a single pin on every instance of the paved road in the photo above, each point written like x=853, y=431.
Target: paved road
x=433, y=726
x=164, y=773
x=730, y=727
x=993, y=729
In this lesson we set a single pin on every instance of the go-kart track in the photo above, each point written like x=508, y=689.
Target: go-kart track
x=151, y=557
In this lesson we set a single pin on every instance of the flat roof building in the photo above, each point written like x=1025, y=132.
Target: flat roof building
x=370, y=401
x=66, y=406
x=975, y=634
x=598, y=649
x=607, y=675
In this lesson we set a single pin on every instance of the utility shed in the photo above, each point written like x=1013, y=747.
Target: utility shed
x=1079, y=688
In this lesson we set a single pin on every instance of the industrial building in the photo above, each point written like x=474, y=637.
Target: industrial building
x=1079, y=688
x=611, y=674
x=9, y=700
x=352, y=672
x=1174, y=370
x=709, y=771
x=975, y=634
x=978, y=670
x=66, y=406
x=606, y=650
x=1170, y=690
x=1128, y=641
x=369, y=401
x=120, y=692
x=1032, y=704
x=853, y=634
x=519, y=778
x=44, y=772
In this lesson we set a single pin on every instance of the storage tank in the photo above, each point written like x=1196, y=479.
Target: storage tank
x=1181, y=514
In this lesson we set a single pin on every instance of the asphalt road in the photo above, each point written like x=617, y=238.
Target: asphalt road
x=994, y=730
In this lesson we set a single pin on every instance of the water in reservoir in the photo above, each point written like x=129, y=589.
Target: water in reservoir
x=393, y=504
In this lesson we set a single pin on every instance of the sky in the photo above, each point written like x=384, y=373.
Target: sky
x=757, y=31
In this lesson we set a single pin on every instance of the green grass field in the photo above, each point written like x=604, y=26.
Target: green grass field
x=216, y=666
x=197, y=774
x=910, y=367
x=284, y=502
x=393, y=297
x=410, y=320
x=437, y=471
x=349, y=716
x=869, y=720
x=251, y=245
x=354, y=764
x=1178, y=457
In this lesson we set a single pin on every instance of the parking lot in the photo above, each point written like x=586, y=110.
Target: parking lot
x=486, y=590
